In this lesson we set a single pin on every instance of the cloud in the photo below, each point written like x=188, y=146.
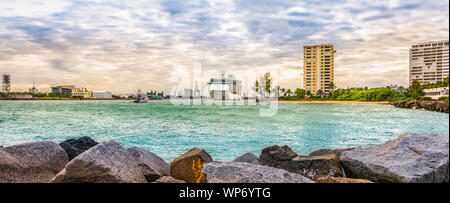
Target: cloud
x=123, y=46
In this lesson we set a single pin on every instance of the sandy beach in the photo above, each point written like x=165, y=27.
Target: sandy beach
x=335, y=102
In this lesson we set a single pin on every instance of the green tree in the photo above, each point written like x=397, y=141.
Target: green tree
x=320, y=93
x=300, y=93
x=289, y=92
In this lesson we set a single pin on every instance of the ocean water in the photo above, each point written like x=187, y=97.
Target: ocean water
x=223, y=131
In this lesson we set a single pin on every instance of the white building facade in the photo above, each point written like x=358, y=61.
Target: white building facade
x=428, y=62
x=436, y=93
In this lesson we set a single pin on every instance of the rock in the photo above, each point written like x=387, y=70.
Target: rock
x=336, y=152
x=74, y=147
x=34, y=162
x=247, y=158
x=107, y=162
x=341, y=180
x=276, y=154
x=188, y=167
x=311, y=166
x=315, y=166
x=411, y=158
x=240, y=172
x=168, y=179
x=152, y=166
x=439, y=106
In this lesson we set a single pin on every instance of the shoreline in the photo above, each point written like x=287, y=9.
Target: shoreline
x=335, y=102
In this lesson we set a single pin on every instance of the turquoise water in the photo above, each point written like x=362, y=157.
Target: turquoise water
x=224, y=131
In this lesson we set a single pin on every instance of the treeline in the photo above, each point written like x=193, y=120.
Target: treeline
x=413, y=93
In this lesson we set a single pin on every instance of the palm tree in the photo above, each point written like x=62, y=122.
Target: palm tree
x=300, y=93
x=289, y=92
x=320, y=93
x=283, y=91
x=332, y=86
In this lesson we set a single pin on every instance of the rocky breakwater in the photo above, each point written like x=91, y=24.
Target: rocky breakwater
x=439, y=106
x=411, y=158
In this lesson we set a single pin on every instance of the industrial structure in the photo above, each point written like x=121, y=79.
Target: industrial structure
x=6, y=84
x=428, y=62
x=318, y=68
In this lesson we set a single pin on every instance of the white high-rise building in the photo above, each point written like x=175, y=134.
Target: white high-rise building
x=428, y=62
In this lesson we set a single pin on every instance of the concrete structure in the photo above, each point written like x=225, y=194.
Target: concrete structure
x=102, y=94
x=428, y=62
x=64, y=89
x=318, y=68
x=82, y=93
x=436, y=93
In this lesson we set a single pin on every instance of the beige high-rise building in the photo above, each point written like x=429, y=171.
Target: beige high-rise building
x=318, y=68
x=428, y=62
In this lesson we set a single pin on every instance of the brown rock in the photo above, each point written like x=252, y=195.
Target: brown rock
x=188, y=167
x=168, y=179
x=341, y=180
x=337, y=152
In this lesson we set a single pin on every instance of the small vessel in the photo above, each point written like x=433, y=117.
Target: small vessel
x=140, y=98
x=225, y=88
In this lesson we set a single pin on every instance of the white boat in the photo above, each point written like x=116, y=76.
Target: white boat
x=140, y=98
x=225, y=88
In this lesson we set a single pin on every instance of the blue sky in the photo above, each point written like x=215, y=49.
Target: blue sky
x=128, y=45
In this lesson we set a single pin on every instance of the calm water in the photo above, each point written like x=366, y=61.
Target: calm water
x=224, y=131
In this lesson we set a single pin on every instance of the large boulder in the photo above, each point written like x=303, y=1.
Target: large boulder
x=33, y=162
x=240, y=172
x=152, y=166
x=247, y=158
x=411, y=158
x=75, y=147
x=315, y=166
x=336, y=152
x=341, y=180
x=275, y=154
x=188, y=167
x=107, y=162
x=308, y=166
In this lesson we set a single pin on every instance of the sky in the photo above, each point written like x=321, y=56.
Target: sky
x=123, y=46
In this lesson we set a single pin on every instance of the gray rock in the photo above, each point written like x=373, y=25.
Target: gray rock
x=107, y=162
x=33, y=162
x=276, y=154
x=168, y=179
x=75, y=147
x=152, y=166
x=240, y=172
x=314, y=167
x=247, y=158
x=411, y=158
x=336, y=152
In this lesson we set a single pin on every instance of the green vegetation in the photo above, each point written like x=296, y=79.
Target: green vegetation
x=443, y=99
x=413, y=93
x=438, y=84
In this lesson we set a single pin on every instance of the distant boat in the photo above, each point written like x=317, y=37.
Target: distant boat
x=225, y=88
x=140, y=98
